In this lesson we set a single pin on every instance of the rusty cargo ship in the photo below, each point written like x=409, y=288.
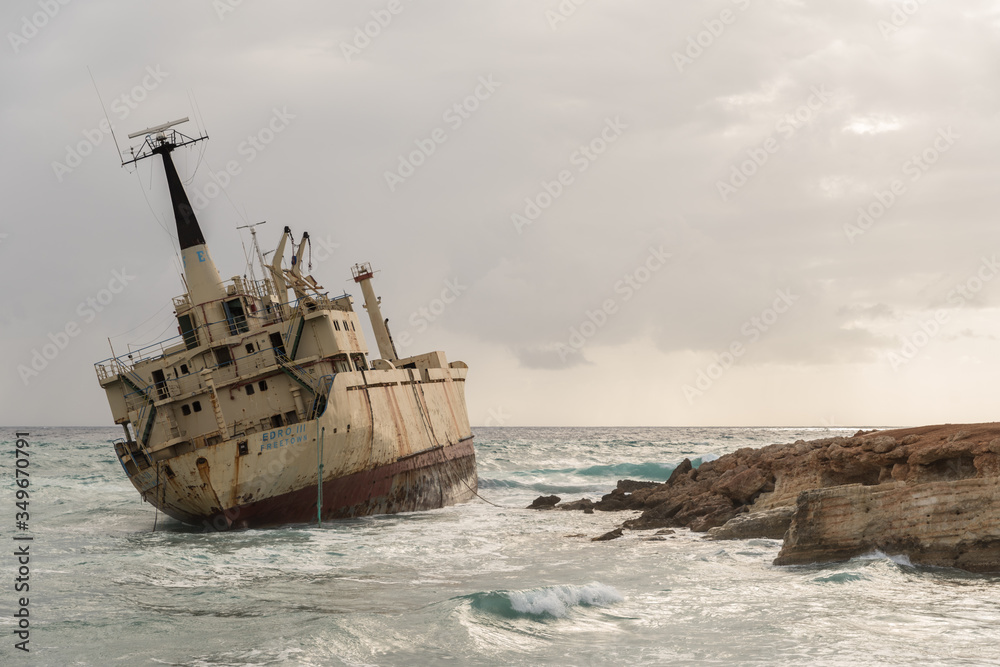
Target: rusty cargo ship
x=266, y=409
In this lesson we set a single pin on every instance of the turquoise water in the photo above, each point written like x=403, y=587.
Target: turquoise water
x=472, y=584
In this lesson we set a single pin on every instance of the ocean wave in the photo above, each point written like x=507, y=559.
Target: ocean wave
x=550, y=601
x=587, y=478
x=898, y=559
x=544, y=487
x=841, y=578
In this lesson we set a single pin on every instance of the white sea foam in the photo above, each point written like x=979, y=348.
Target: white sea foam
x=558, y=600
x=898, y=559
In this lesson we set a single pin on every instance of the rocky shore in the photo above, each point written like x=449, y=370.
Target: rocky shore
x=930, y=493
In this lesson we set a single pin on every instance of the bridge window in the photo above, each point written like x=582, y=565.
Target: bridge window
x=235, y=316
x=188, y=331
x=277, y=343
x=222, y=356
x=161, y=384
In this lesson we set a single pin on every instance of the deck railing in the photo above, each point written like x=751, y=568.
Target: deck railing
x=109, y=368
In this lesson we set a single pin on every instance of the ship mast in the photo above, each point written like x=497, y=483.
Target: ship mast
x=203, y=281
x=268, y=289
x=363, y=275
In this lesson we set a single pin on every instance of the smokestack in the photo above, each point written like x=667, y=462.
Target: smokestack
x=203, y=279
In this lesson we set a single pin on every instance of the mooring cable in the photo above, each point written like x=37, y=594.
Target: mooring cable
x=484, y=499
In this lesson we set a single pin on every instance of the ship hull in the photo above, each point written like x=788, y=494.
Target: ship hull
x=428, y=480
x=387, y=442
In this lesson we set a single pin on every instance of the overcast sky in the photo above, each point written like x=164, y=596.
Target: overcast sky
x=741, y=212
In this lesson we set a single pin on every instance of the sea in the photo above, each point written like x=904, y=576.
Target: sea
x=488, y=582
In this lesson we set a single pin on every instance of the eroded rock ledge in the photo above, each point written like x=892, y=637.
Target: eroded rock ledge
x=931, y=493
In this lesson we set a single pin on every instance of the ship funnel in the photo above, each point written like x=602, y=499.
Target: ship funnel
x=202, y=277
x=363, y=275
x=203, y=281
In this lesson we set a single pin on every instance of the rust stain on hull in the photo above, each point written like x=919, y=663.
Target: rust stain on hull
x=203, y=472
x=426, y=480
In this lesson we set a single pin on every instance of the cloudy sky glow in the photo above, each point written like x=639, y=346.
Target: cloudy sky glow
x=741, y=212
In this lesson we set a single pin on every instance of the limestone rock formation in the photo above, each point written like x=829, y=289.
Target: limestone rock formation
x=772, y=524
x=950, y=524
x=930, y=493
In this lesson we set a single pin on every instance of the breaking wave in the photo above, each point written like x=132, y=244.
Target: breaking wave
x=550, y=601
x=658, y=472
x=898, y=559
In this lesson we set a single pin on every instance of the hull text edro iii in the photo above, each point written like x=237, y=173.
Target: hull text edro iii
x=265, y=408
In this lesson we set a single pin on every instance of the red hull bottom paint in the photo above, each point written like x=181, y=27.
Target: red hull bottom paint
x=427, y=480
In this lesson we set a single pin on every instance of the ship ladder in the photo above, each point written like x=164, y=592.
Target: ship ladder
x=294, y=348
x=146, y=417
x=132, y=380
x=148, y=429
x=293, y=345
x=297, y=373
x=322, y=391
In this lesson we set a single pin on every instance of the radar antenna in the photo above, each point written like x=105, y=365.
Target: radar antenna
x=160, y=139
